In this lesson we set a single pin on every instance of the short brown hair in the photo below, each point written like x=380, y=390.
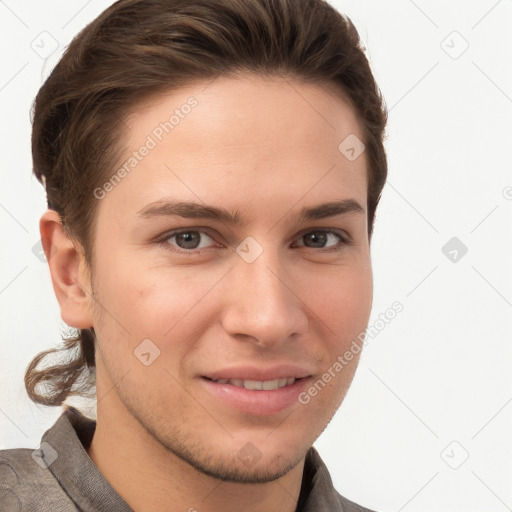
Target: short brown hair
x=136, y=48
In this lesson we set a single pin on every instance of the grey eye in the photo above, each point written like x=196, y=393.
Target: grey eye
x=189, y=239
x=319, y=238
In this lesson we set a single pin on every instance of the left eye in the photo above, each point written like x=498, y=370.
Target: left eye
x=321, y=236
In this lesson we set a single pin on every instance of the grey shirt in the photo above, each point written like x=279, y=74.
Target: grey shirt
x=61, y=477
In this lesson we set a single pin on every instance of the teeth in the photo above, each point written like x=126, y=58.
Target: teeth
x=266, y=385
x=270, y=384
x=254, y=384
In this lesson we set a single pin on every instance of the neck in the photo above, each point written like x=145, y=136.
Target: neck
x=150, y=478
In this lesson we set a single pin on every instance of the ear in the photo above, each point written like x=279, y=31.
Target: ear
x=69, y=272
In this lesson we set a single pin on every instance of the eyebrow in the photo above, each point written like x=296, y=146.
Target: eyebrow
x=191, y=210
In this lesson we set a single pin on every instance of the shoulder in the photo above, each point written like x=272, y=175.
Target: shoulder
x=322, y=496
x=350, y=506
x=27, y=484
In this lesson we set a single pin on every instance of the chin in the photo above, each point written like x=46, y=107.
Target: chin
x=241, y=459
x=250, y=468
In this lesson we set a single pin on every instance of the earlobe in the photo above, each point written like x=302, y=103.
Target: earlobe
x=69, y=272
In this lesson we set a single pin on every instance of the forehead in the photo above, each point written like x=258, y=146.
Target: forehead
x=243, y=98
x=239, y=138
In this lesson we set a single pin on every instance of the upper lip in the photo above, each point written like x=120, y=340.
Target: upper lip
x=253, y=373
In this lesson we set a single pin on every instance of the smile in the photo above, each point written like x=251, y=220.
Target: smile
x=255, y=397
x=263, y=385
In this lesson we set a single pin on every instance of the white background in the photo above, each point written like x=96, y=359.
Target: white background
x=441, y=370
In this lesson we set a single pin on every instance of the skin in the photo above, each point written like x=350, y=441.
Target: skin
x=264, y=147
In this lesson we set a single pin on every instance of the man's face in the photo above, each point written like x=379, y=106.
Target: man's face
x=273, y=298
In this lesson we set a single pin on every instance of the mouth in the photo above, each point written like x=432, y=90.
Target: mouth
x=266, y=396
x=259, y=385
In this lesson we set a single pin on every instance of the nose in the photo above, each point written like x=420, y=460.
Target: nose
x=260, y=304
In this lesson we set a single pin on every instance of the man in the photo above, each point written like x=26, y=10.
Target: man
x=212, y=171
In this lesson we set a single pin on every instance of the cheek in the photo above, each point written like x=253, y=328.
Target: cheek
x=169, y=300
x=145, y=299
x=342, y=300
x=159, y=305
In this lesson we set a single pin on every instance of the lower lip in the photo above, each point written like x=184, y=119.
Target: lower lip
x=256, y=402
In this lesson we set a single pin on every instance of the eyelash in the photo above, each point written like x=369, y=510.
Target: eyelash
x=163, y=241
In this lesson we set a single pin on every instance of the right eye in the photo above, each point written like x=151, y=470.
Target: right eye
x=186, y=241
